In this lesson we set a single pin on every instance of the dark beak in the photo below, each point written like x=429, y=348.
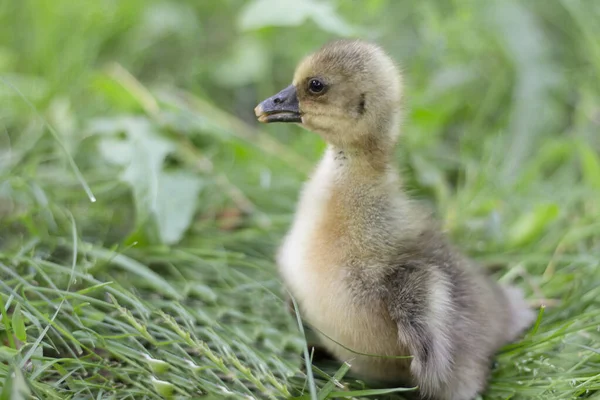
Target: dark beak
x=283, y=107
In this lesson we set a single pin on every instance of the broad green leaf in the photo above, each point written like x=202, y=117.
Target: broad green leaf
x=530, y=226
x=143, y=171
x=141, y=153
x=116, y=151
x=19, y=324
x=176, y=203
x=263, y=13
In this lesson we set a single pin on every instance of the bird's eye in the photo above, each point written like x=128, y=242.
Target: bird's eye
x=316, y=86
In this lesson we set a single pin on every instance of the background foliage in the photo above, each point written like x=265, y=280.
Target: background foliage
x=140, y=203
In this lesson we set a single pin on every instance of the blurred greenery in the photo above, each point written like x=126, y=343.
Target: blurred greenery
x=140, y=202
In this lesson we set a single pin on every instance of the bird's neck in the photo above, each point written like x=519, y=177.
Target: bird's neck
x=370, y=154
x=363, y=162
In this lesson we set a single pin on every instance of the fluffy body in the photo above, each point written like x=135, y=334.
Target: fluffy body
x=368, y=267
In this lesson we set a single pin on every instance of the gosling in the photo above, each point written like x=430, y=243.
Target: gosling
x=371, y=272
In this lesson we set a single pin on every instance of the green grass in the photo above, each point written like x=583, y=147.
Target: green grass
x=165, y=285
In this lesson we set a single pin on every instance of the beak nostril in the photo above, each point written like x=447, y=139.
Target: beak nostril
x=281, y=107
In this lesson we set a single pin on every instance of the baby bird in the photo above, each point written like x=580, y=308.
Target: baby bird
x=371, y=272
